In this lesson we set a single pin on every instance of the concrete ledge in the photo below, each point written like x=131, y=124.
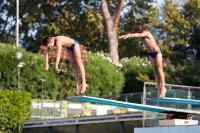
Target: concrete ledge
x=177, y=122
x=83, y=120
x=169, y=129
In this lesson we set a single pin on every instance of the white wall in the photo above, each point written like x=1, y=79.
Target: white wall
x=172, y=129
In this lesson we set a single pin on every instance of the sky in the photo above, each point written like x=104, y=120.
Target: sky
x=160, y=2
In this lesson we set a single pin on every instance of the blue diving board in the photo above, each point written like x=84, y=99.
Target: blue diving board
x=175, y=100
x=132, y=105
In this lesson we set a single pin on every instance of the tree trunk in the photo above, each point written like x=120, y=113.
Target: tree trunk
x=111, y=23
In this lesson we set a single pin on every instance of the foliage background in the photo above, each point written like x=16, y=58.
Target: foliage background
x=174, y=24
x=103, y=76
x=14, y=109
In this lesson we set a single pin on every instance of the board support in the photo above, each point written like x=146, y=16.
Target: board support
x=186, y=116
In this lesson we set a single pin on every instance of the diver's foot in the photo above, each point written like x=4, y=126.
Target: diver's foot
x=83, y=88
x=162, y=93
x=158, y=92
x=78, y=88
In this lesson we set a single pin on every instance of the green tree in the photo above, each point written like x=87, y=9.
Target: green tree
x=86, y=21
x=191, y=11
x=111, y=25
x=173, y=33
x=75, y=19
x=137, y=13
x=82, y=23
x=7, y=21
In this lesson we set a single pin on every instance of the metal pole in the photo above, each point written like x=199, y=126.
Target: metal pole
x=96, y=109
x=126, y=98
x=17, y=24
x=43, y=80
x=18, y=78
x=42, y=99
x=144, y=102
x=42, y=89
x=54, y=114
x=121, y=127
x=189, y=97
x=77, y=129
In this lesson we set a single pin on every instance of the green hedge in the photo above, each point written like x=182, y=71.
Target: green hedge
x=139, y=70
x=103, y=77
x=136, y=71
x=14, y=109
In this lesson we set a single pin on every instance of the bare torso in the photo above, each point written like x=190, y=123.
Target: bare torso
x=149, y=42
x=64, y=41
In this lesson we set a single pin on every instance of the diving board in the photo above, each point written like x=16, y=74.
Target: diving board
x=175, y=100
x=133, y=105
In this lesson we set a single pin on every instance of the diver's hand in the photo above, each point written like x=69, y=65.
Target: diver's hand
x=46, y=68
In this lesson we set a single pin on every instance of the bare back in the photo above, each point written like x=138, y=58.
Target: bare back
x=64, y=41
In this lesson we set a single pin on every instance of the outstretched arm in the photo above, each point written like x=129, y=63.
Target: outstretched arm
x=134, y=35
x=47, y=59
x=59, y=48
x=126, y=36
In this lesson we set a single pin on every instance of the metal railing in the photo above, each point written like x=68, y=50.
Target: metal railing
x=173, y=91
x=66, y=109
x=47, y=109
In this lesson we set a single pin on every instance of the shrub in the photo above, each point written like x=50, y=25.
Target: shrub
x=136, y=71
x=14, y=109
x=120, y=110
x=87, y=109
x=29, y=74
x=103, y=77
x=187, y=75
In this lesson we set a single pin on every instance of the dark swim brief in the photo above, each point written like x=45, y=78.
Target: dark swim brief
x=72, y=47
x=153, y=54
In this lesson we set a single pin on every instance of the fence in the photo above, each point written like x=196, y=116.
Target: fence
x=65, y=109
x=175, y=91
x=49, y=109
